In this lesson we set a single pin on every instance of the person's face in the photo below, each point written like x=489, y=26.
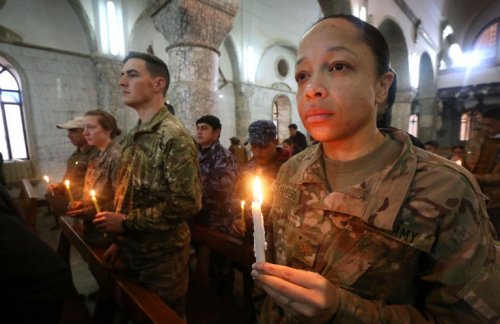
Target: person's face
x=288, y=147
x=206, y=135
x=76, y=137
x=94, y=133
x=430, y=148
x=137, y=85
x=338, y=88
x=491, y=126
x=292, y=131
x=458, y=151
x=264, y=154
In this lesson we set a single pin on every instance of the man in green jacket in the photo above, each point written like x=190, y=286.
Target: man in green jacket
x=158, y=187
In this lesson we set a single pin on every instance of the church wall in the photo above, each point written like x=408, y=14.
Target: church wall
x=56, y=86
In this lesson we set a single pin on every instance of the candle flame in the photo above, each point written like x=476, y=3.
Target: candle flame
x=92, y=193
x=242, y=204
x=66, y=183
x=257, y=191
x=459, y=162
x=46, y=178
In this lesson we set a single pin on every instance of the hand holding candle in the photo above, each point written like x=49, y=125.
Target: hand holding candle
x=66, y=183
x=94, y=200
x=46, y=178
x=259, y=237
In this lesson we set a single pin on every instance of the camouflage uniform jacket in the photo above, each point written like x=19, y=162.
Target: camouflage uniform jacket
x=101, y=177
x=410, y=244
x=219, y=170
x=76, y=167
x=158, y=189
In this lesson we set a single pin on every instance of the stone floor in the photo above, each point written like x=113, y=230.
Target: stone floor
x=203, y=305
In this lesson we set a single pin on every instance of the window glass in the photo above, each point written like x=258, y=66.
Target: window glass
x=16, y=131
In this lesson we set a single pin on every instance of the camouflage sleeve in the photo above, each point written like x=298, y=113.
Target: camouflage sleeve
x=456, y=277
x=182, y=195
x=221, y=181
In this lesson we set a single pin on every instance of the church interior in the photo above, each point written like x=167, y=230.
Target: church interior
x=233, y=59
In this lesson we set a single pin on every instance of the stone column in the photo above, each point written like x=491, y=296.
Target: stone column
x=401, y=110
x=427, y=122
x=195, y=30
x=108, y=92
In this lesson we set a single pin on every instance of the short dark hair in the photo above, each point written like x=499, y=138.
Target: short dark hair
x=211, y=120
x=372, y=37
x=492, y=111
x=294, y=126
x=155, y=66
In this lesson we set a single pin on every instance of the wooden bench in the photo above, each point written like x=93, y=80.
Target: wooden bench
x=235, y=249
x=140, y=304
x=29, y=201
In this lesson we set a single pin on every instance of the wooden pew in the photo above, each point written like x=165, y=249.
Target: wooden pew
x=29, y=198
x=140, y=304
x=233, y=248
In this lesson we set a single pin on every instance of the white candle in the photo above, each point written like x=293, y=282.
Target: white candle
x=259, y=238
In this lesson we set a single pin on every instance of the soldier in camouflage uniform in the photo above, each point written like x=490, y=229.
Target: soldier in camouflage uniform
x=219, y=170
x=483, y=160
x=100, y=128
x=76, y=167
x=158, y=186
x=367, y=227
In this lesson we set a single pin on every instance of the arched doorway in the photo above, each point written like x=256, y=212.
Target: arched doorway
x=400, y=111
x=282, y=109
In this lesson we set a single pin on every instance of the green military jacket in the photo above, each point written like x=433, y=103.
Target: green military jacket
x=76, y=167
x=101, y=177
x=410, y=244
x=158, y=189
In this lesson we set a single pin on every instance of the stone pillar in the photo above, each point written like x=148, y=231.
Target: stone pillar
x=401, y=110
x=108, y=92
x=427, y=122
x=195, y=30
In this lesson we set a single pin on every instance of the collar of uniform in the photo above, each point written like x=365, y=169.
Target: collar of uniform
x=382, y=200
x=392, y=187
x=151, y=125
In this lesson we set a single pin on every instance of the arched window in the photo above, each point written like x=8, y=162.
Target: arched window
x=486, y=45
x=413, y=125
x=12, y=131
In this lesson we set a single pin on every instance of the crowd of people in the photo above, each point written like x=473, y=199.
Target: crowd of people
x=365, y=225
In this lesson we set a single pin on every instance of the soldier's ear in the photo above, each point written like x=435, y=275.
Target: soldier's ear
x=160, y=84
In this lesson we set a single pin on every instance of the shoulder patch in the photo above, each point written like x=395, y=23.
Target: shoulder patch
x=286, y=191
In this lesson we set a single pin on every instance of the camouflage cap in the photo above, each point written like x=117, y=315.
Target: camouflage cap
x=261, y=132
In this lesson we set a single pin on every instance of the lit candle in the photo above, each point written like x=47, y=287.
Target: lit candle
x=243, y=225
x=66, y=183
x=94, y=200
x=459, y=162
x=46, y=178
x=259, y=239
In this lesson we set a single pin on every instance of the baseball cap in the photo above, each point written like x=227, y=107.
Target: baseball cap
x=261, y=132
x=76, y=122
